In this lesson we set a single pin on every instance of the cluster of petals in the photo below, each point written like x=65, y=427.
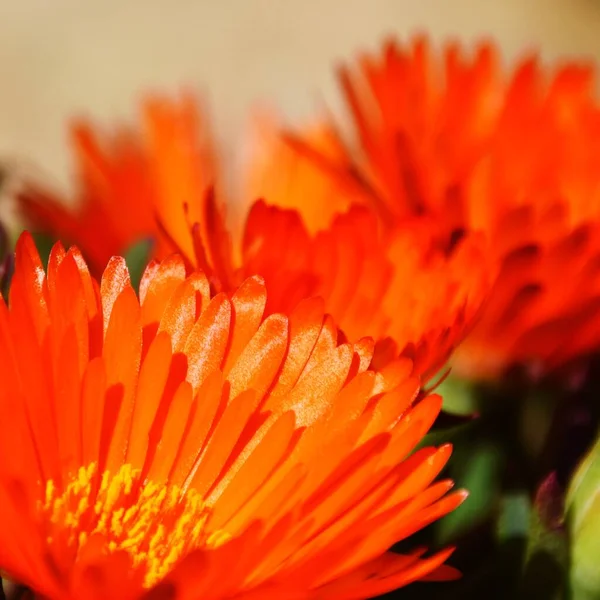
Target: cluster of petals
x=452, y=137
x=308, y=237
x=179, y=443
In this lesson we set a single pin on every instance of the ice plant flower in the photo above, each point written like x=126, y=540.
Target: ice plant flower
x=513, y=155
x=110, y=211
x=399, y=287
x=316, y=184
x=185, y=445
x=119, y=175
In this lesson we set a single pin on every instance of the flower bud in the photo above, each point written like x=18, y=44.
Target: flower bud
x=583, y=518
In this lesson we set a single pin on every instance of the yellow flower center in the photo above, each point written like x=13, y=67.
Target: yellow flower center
x=155, y=524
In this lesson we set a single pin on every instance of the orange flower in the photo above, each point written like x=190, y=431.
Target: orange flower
x=187, y=444
x=317, y=185
x=515, y=157
x=540, y=179
x=396, y=286
x=112, y=209
x=423, y=121
x=399, y=287
x=122, y=180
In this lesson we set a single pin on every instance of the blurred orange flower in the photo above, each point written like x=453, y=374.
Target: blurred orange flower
x=398, y=286
x=188, y=444
x=113, y=207
x=514, y=156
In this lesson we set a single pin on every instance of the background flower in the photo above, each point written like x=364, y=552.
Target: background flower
x=373, y=282
x=512, y=155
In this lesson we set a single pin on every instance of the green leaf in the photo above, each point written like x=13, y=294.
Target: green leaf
x=535, y=421
x=44, y=243
x=137, y=257
x=460, y=396
x=583, y=517
x=546, y=560
x=477, y=468
x=514, y=516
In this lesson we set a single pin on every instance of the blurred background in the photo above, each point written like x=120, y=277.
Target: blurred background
x=59, y=58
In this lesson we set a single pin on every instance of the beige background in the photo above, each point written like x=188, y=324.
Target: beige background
x=59, y=57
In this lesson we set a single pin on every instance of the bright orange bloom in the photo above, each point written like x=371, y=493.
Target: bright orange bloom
x=396, y=286
x=515, y=157
x=188, y=444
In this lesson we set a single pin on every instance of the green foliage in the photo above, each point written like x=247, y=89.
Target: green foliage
x=583, y=513
x=43, y=243
x=476, y=468
x=137, y=257
x=513, y=454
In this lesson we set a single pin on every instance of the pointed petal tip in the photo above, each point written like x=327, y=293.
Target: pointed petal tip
x=462, y=494
x=447, y=448
x=25, y=242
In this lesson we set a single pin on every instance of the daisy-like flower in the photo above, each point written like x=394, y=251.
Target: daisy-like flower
x=514, y=156
x=185, y=445
x=399, y=286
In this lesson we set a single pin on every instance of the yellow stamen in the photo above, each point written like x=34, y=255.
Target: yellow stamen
x=155, y=524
